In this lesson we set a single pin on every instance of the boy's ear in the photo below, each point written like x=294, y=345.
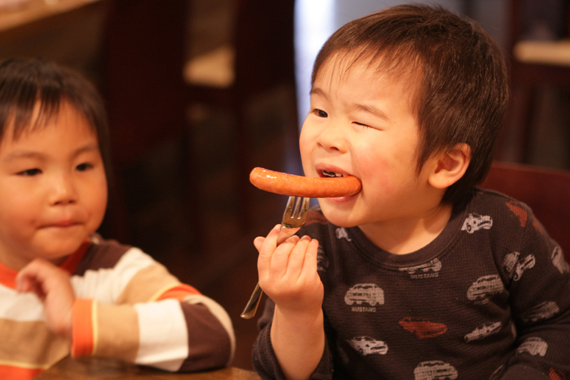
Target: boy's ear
x=450, y=166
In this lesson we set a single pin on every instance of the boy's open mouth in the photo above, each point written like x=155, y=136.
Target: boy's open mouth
x=329, y=174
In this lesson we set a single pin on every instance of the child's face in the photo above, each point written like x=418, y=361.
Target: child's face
x=53, y=190
x=362, y=123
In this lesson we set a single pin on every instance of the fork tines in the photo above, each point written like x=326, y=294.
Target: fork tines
x=296, y=207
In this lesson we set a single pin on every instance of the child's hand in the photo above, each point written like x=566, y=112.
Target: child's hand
x=53, y=286
x=288, y=272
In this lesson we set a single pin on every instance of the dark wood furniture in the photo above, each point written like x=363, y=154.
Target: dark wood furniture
x=261, y=57
x=142, y=60
x=533, y=64
x=95, y=368
x=546, y=191
x=145, y=54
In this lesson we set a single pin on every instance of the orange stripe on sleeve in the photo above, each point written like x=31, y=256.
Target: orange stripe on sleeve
x=178, y=292
x=18, y=373
x=83, y=337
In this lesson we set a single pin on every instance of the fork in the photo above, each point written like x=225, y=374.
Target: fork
x=294, y=217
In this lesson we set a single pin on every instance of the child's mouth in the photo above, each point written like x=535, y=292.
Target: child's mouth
x=329, y=174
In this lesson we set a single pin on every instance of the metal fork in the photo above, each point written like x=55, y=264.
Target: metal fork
x=294, y=217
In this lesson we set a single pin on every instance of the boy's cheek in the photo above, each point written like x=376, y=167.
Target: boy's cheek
x=306, y=159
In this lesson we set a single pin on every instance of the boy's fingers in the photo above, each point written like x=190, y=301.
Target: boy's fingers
x=266, y=248
x=310, y=265
x=297, y=257
x=280, y=259
x=269, y=242
x=258, y=242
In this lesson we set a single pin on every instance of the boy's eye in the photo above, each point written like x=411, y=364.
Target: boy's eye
x=83, y=167
x=320, y=113
x=29, y=172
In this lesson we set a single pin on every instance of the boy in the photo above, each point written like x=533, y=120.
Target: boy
x=63, y=289
x=420, y=275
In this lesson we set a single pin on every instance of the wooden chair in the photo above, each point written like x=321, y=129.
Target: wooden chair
x=149, y=82
x=259, y=58
x=546, y=191
x=533, y=64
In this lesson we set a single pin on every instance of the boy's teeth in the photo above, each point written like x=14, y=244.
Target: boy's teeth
x=326, y=173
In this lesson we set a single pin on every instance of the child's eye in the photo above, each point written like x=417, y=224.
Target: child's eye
x=320, y=113
x=30, y=172
x=85, y=166
x=360, y=124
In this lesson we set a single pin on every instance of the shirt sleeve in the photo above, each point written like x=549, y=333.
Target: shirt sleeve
x=152, y=319
x=539, y=286
x=264, y=360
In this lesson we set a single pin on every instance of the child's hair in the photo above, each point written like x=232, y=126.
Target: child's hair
x=458, y=72
x=25, y=82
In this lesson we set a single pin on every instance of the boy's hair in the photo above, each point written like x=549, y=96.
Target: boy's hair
x=25, y=82
x=461, y=89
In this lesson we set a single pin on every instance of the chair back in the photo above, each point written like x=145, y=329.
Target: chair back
x=546, y=191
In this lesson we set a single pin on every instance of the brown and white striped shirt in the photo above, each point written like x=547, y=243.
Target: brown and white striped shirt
x=128, y=307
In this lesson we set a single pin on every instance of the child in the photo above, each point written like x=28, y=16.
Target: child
x=63, y=289
x=420, y=275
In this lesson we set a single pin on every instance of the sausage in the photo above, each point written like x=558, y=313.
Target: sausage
x=311, y=187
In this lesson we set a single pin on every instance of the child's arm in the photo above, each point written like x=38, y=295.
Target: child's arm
x=53, y=286
x=540, y=301
x=288, y=275
x=133, y=309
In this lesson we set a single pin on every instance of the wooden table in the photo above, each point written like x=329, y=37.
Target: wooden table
x=37, y=12
x=95, y=368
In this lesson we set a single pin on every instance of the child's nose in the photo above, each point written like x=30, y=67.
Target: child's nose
x=63, y=191
x=332, y=139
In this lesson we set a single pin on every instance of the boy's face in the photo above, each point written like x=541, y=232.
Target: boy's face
x=53, y=190
x=362, y=123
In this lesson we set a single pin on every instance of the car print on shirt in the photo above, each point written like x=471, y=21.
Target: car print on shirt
x=524, y=264
x=368, y=346
x=427, y=270
x=559, y=261
x=510, y=262
x=342, y=234
x=422, y=327
x=372, y=294
x=519, y=212
x=483, y=331
x=534, y=346
x=435, y=370
x=554, y=374
x=484, y=288
x=476, y=222
x=543, y=310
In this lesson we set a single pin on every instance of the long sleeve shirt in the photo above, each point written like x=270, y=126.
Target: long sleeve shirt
x=128, y=307
x=489, y=298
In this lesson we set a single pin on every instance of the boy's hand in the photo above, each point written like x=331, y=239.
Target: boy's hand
x=53, y=286
x=288, y=272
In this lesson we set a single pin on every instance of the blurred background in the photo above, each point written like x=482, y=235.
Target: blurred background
x=201, y=91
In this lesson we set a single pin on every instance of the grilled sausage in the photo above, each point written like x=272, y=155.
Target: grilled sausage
x=311, y=187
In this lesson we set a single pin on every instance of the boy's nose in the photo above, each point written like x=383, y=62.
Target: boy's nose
x=63, y=191
x=332, y=139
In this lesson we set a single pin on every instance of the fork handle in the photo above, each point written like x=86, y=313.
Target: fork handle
x=253, y=303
